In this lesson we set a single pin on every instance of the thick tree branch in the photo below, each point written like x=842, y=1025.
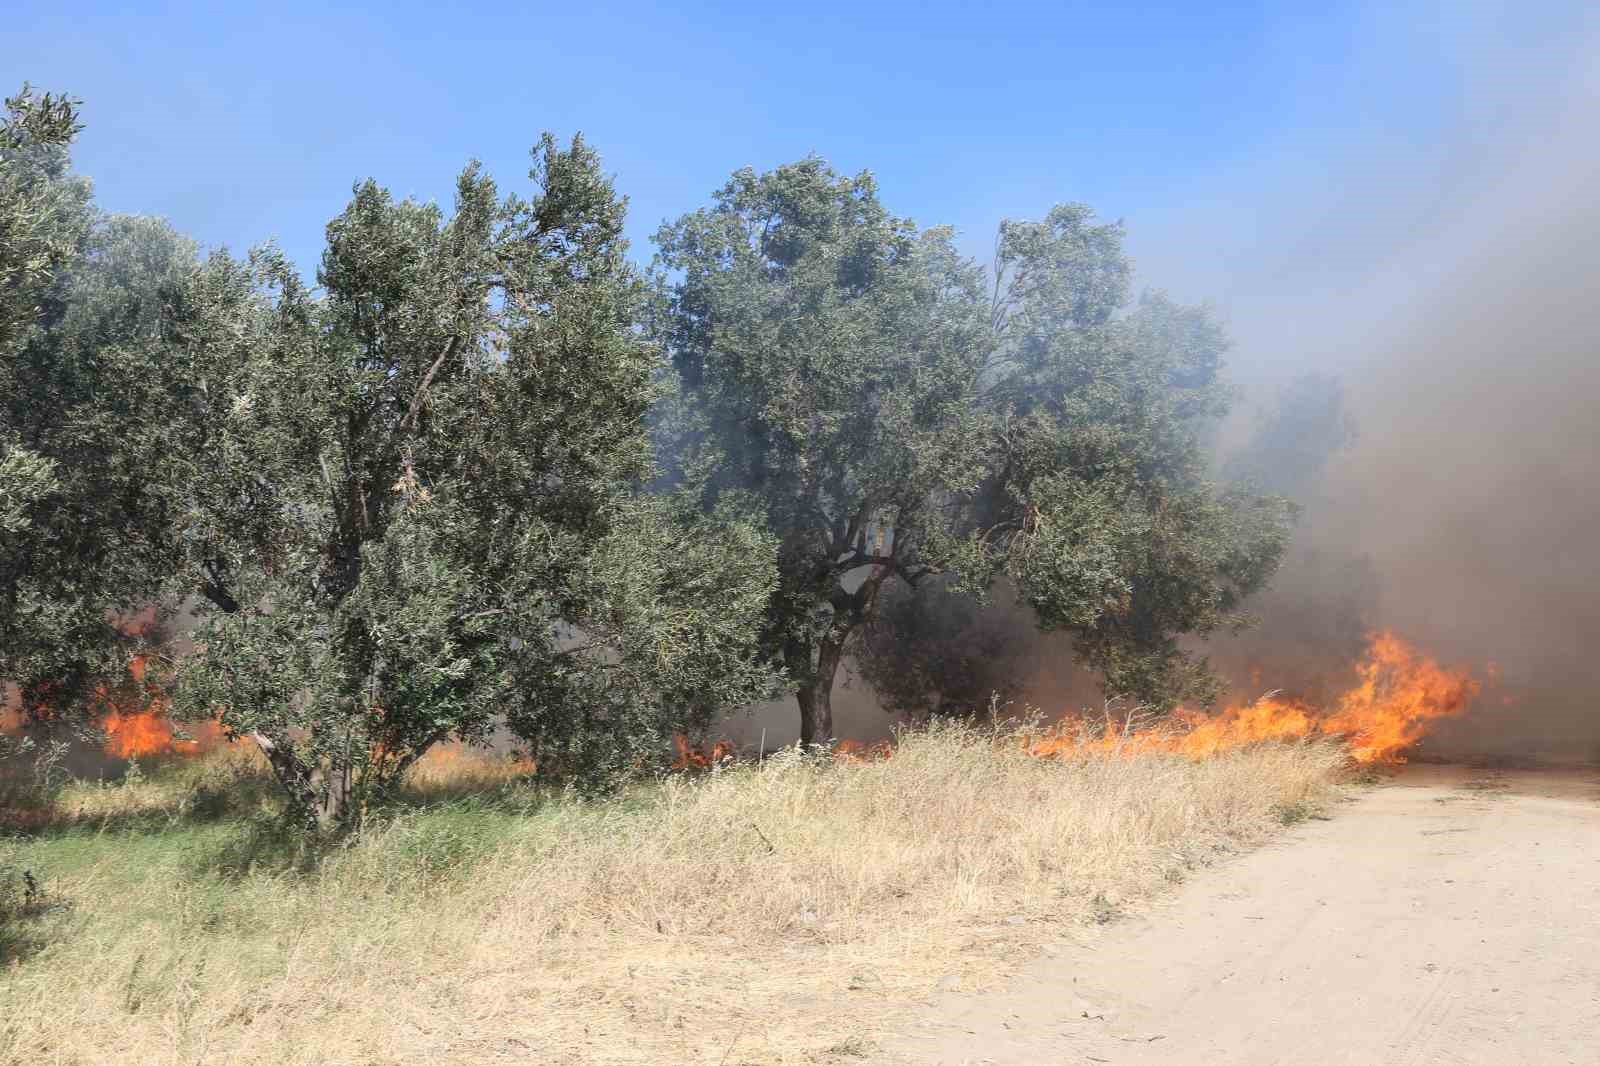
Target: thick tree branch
x=292, y=774
x=410, y=758
x=410, y=420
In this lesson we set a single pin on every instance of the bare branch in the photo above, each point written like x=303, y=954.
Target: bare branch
x=410, y=420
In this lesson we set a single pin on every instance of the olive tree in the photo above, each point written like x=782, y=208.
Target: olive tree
x=407, y=504
x=82, y=543
x=897, y=412
x=44, y=219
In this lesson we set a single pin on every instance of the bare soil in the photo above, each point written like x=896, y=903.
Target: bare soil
x=1448, y=917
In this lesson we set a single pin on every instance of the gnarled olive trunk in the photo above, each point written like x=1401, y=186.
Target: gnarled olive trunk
x=320, y=796
x=815, y=694
x=816, y=711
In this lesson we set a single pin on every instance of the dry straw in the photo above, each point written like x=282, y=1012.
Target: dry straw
x=778, y=913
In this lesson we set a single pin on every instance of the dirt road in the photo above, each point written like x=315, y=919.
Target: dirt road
x=1449, y=917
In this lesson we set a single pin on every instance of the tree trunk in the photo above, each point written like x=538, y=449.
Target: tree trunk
x=333, y=799
x=816, y=713
x=291, y=774
x=816, y=694
x=321, y=798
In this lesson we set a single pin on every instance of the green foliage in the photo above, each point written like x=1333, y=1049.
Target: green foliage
x=1099, y=509
x=851, y=375
x=830, y=357
x=404, y=508
x=84, y=543
x=408, y=503
x=43, y=211
x=407, y=506
x=928, y=650
x=43, y=218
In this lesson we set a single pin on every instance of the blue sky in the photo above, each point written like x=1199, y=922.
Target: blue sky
x=1260, y=152
x=243, y=121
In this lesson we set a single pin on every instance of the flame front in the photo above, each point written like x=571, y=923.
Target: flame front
x=1398, y=694
x=693, y=758
x=134, y=731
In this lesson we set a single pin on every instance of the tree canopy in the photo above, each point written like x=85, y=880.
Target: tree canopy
x=85, y=545
x=44, y=219
x=421, y=499
x=897, y=412
x=830, y=356
x=404, y=507
x=410, y=504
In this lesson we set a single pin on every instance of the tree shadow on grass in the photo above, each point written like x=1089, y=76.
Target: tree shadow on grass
x=247, y=830
x=183, y=797
x=428, y=835
x=262, y=845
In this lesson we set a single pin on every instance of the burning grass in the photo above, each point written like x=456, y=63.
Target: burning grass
x=1397, y=695
x=755, y=914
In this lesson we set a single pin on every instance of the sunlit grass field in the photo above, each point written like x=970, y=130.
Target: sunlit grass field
x=770, y=913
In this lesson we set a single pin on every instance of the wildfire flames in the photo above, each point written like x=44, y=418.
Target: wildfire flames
x=1398, y=694
x=144, y=730
x=693, y=758
x=856, y=751
x=134, y=720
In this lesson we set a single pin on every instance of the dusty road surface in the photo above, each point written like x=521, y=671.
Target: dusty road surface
x=1449, y=917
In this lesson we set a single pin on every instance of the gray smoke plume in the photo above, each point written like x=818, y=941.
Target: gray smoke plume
x=1412, y=279
x=1454, y=289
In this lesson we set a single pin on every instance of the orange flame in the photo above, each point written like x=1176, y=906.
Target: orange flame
x=1398, y=694
x=133, y=732
x=691, y=757
x=134, y=728
x=856, y=751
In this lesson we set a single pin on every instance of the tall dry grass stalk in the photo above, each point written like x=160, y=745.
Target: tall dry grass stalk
x=758, y=915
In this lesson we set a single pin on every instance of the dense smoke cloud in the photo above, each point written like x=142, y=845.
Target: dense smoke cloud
x=1453, y=291
x=1431, y=248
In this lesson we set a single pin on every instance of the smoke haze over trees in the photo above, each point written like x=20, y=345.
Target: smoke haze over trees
x=1436, y=279
x=1412, y=326
x=849, y=375
x=1446, y=282
x=405, y=506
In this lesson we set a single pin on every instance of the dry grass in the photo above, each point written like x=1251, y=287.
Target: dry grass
x=771, y=914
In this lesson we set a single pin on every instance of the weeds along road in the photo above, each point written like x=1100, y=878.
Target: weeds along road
x=1450, y=916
